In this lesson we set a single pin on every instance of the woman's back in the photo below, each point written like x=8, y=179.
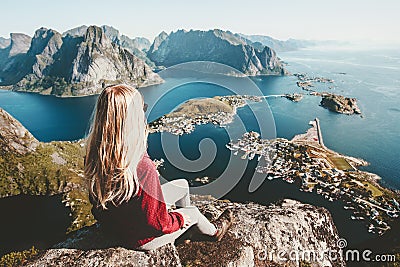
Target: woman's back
x=144, y=216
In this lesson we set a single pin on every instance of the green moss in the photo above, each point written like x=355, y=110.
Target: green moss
x=36, y=174
x=17, y=258
x=305, y=264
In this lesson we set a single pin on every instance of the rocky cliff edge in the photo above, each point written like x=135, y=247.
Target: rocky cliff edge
x=258, y=234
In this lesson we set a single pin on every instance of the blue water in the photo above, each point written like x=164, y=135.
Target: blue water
x=49, y=118
x=373, y=77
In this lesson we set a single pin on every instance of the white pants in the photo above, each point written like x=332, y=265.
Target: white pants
x=177, y=193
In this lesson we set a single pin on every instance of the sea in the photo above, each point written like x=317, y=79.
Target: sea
x=370, y=75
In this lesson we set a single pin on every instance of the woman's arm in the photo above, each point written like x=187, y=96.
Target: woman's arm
x=153, y=204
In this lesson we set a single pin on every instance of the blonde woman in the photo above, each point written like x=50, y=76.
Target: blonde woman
x=128, y=200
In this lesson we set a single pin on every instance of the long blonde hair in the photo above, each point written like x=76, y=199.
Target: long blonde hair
x=116, y=143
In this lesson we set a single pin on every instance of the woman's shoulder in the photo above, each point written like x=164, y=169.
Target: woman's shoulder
x=145, y=165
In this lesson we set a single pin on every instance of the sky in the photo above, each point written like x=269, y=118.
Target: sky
x=351, y=20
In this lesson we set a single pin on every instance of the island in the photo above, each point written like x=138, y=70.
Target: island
x=294, y=97
x=340, y=104
x=218, y=110
x=315, y=168
x=330, y=101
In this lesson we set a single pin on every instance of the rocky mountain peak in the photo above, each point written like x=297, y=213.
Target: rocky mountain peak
x=43, y=38
x=157, y=41
x=44, y=46
x=216, y=46
x=111, y=33
x=77, y=31
x=95, y=34
x=227, y=35
x=19, y=44
x=4, y=42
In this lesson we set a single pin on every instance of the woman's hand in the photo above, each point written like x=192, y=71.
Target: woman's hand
x=186, y=219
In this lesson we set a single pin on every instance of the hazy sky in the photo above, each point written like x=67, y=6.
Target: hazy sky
x=303, y=19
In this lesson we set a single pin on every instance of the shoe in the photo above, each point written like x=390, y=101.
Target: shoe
x=222, y=223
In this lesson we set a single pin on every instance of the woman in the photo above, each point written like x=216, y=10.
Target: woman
x=128, y=200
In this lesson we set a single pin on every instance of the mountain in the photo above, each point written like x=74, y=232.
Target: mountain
x=216, y=46
x=278, y=45
x=137, y=46
x=4, y=42
x=12, y=57
x=71, y=65
x=157, y=41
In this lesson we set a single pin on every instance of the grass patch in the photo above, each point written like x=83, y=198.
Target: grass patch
x=197, y=107
x=376, y=192
x=341, y=163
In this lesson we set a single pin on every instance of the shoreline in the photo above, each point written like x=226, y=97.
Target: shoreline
x=318, y=169
x=9, y=88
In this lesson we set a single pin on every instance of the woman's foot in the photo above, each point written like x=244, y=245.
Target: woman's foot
x=222, y=223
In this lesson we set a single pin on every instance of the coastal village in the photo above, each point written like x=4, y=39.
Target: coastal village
x=218, y=110
x=306, y=162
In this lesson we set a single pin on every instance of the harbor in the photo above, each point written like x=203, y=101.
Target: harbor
x=307, y=163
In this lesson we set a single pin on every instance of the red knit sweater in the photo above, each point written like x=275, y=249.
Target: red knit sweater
x=145, y=216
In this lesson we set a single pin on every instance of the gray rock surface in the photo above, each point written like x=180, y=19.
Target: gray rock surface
x=46, y=43
x=157, y=42
x=14, y=136
x=215, y=46
x=287, y=226
x=20, y=44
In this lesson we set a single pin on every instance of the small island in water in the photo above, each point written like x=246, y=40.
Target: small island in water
x=330, y=101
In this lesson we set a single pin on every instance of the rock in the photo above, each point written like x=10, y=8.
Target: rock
x=88, y=247
x=340, y=104
x=14, y=137
x=215, y=46
x=287, y=226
